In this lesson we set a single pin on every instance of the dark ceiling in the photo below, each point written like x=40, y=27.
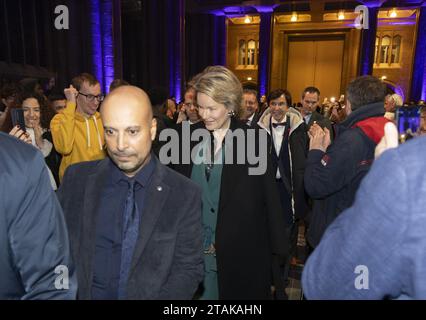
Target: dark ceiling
x=250, y=6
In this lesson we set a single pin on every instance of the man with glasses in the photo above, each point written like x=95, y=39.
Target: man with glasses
x=249, y=108
x=78, y=133
x=189, y=110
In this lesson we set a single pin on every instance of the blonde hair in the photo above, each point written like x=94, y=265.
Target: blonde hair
x=397, y=99
x=220, y=84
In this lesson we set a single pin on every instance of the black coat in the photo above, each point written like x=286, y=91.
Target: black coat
x=168, y=261
x=250, y=227
x=256, y=118
x=53, y=160
x=298, y=144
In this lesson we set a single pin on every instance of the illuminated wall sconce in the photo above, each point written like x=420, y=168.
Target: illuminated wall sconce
x=393, y=13
x=341, y=15
x=293, y=17
x=247, y=19
x=332, y=99
x=249, y=78
x=383, y=78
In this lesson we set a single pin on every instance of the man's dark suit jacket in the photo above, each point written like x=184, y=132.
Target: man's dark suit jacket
x=255, y=120
x=168, y=258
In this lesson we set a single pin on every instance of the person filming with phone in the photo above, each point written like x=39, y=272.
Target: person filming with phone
x=29, y=122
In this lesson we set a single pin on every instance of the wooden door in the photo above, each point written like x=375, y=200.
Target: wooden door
x=315, y=63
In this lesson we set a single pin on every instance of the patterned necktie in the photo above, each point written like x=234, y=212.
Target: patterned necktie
x=129, y=237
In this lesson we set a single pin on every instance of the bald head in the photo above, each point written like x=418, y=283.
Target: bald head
x=129, y=128
x=130, y=96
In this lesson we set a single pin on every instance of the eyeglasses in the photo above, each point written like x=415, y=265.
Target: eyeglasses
x=189, y=105
x=91, y=97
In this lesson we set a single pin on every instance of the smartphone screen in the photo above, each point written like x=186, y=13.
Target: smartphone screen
x=17, y=116
x=408, y=122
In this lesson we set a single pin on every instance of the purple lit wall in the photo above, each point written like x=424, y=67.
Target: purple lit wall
x=219, y=40
x=418, y=84
x=176, y=49
x=101, y=13
x=264, y=46
x=368, y=39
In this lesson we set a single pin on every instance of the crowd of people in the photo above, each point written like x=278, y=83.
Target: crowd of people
x=128, y=225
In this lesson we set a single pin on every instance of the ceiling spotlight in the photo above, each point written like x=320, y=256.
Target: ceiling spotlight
x=341, y=15
x=247, y=19
x=393, y=13
x=293, y=17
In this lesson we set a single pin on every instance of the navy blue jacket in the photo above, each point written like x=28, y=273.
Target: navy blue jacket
x=168, y=258
x=381, y=239
x=33, y=235
x=332, y=178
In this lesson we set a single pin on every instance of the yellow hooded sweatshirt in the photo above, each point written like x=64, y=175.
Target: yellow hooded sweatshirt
x=76, y=137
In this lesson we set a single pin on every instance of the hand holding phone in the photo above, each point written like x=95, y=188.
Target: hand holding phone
x=21, y=135
x=408, y=122
x=17, y=115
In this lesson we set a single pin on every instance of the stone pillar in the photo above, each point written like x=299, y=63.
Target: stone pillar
x=265, y=35
x=368, y=41
x=418, y=81
x=176, y=46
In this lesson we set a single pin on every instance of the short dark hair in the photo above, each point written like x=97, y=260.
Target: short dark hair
x=250, y=91
x=311, y=90
x=278, y=93
x=158, y=96
x=365, y=90
x=56, y=96
x=78, y=81
x=9, y=90
x=29, y=84
x=117, y=83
